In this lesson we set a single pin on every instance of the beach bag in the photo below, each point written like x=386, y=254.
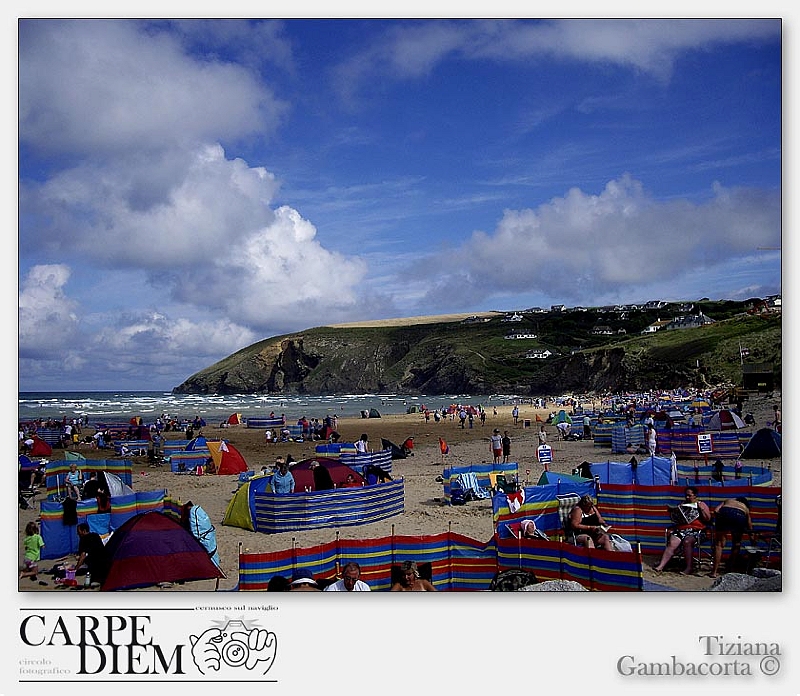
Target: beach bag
x=458, y=498
x=620, y=543
x=511, y=580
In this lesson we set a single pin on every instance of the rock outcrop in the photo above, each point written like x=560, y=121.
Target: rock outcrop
x=458, y=358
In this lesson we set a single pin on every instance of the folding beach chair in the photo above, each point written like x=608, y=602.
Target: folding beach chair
x=472, y=488
x=499, y=483
x=566, y=502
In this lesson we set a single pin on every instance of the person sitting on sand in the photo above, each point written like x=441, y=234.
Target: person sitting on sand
x=74, y=481
x=303, y=581
x=686, y=533
x=350, y=580
x=730, y=517
x=350, y=482
x=92, y=552
x=588, y=525
x=527, y=530
x=410, y=580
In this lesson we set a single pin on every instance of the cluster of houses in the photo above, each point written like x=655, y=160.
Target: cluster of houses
x=684, y=318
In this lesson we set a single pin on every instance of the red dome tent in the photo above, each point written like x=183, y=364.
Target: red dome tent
x=303, y=476
x=725, y=419
x=227, y=459
x=40, y=448
x=152, y=547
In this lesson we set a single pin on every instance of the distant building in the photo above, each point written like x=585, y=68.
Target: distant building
x=656, y=326
x=602, y=331
x=758, y=377
x=558, y=308
x=773, y=301
x=539, y=354
x=689, y=321
x=512, y=317
x=512, y=335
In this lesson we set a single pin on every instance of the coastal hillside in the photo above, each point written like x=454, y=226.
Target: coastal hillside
x=527, y=353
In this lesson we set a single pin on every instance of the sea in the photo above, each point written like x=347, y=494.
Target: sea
x=121, y=406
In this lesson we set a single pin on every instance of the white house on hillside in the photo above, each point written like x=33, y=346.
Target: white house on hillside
x=539, y=354
x=657, y=325
x=519, y=334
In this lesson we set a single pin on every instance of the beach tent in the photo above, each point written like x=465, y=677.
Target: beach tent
x=74, y=456
x=374, y=413
x=227, y=459
x=764, y=444
x=234, y=419
x=562, y=417
x=397, y=452
x=549, y=477
x=676, y=415
x=40, y=448
x=114, y=484
x=304, y=477
x=152, y=547
x=661, y=419
x=725, y=419
x=197, y=521
x=239, y=510
x=197, y=443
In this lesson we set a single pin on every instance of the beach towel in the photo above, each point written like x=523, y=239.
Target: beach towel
x=515, y=499
x=469, y=482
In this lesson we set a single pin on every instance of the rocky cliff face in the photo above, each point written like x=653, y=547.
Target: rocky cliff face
x=305, y=365
x=456, y=359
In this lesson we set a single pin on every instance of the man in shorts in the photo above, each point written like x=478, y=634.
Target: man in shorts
x=730, y=517
x=496, y=445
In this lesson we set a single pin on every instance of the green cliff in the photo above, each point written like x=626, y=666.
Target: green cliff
x=428, y=356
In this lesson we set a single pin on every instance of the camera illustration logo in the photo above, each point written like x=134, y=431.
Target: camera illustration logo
x=234, y=645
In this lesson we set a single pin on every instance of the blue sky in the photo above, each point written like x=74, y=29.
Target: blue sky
x=188, y=188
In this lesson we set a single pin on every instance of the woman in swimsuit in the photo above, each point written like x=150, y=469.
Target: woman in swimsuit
x=587, y=523
x=410, y=581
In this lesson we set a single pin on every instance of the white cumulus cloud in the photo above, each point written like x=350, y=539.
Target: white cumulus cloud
x=598, y=245
x=48, y=319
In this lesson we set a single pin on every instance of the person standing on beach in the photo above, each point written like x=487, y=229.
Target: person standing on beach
x=32, y=545
x=651, y=440
x=496, y=445
x=515, y=414
x=506, y=444
x=283, y=481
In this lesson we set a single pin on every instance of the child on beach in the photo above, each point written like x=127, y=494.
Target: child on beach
x=33, y=545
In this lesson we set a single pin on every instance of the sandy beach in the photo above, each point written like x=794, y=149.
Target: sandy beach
x=425, y=511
